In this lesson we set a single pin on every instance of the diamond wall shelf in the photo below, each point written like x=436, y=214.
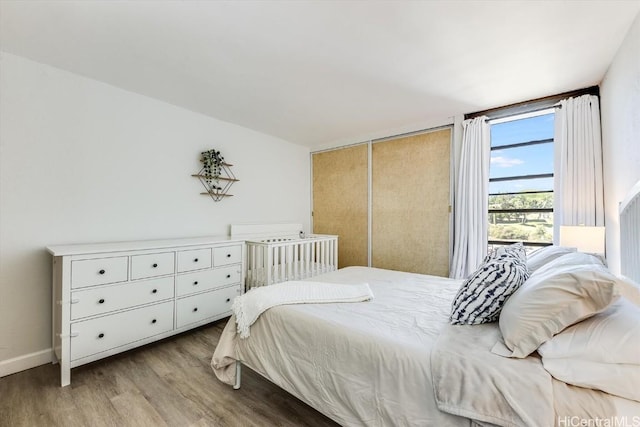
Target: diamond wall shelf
x=217, y=187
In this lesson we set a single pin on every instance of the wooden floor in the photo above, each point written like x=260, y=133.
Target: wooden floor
x=168, y=383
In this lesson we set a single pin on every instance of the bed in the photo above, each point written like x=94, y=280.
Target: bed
x=398, y=360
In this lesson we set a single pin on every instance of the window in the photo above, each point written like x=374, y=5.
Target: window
x=521, y=180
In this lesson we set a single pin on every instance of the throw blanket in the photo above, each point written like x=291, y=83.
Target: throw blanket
x=249, y=306
x=471, y=381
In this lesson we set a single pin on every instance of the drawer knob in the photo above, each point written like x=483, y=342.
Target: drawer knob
x=101, y=271
x=228, y=255
x=195, y=309
x=155, y=265
x=101, y=301
x=195, y=283
x=100, y=335
x=228, y=276
x=195, y=260
x=228, y=299
x=154, y=321
x=155, y=291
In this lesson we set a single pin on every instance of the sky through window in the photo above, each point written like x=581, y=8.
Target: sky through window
x=527, y=160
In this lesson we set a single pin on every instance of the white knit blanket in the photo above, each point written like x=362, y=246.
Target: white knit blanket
x=248, y=307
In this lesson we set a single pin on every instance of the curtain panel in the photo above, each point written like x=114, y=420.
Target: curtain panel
x=471, y=217
x=578, y=183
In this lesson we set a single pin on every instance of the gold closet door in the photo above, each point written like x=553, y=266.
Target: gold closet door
x=340, y=199
x=410, y=203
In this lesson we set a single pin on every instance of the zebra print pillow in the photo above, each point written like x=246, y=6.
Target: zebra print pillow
x=482, y=295
x=515, y=250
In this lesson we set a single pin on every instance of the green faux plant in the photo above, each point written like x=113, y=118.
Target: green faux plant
x=212, y=162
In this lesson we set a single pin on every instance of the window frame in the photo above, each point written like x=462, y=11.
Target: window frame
x=521, y=108
x=509, y=118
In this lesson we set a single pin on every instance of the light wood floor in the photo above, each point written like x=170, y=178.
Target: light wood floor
x=168, y=383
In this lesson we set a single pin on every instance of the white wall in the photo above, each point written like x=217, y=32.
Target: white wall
x=620, y=110
x=82, y=161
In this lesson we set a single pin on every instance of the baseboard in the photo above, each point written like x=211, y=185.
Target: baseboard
x=28, y=361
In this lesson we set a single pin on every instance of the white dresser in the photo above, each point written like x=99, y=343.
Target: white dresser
x=111, y=297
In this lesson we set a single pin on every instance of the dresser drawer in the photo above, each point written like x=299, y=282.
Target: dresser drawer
x=107, y=332
x=227, y=255
x=90, y=272
x=207, y=280
x=195, y=259
x=100, y=300
x=152, y=265
x=203, y=306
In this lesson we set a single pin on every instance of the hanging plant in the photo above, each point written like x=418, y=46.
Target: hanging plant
x=212, y=162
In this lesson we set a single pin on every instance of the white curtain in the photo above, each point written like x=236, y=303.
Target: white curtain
x=578, y=187
x=471, y=219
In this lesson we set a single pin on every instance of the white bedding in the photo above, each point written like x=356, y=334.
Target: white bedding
x=371, y=363
x=296, y=347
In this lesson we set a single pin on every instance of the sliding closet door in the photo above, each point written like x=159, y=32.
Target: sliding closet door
x=340, y=201
x=410, y=203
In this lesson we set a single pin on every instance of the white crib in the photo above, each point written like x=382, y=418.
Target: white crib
x=280, y=252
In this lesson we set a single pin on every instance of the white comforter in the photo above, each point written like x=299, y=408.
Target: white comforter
x=361, y=363
x=371, y=363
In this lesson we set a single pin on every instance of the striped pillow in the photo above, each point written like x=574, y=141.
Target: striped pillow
x=482, y=295
x=515, y=250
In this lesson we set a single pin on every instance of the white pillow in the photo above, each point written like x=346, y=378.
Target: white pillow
x=553, y=298
x=602, y=352
x=630, y=290
x=571, y=258
x=618, y=379
x=542, y=256
x=612, y=336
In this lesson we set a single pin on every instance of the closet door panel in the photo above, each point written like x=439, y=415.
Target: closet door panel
x=410, y=203
x=340, y=201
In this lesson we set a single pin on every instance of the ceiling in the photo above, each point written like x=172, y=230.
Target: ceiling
x=323, y=72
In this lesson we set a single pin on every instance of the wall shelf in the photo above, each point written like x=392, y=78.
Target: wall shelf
x=212, y=194
x=217, y=187
x=222, y=178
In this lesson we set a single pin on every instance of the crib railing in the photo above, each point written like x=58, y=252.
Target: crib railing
x=277, y=260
